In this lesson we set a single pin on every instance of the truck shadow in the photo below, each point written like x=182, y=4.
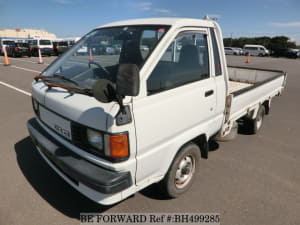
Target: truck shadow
x=243, y=129
x=49, y=185
x=57, y=192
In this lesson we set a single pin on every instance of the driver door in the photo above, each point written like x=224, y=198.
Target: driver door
x=180, y=101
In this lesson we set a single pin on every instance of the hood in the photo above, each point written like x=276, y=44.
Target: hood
x=80, y=108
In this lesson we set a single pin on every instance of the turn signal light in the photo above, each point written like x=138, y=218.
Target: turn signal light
x=119, y=147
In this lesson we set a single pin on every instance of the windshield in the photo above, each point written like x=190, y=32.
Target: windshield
x=45, y=42
x=63, y=43
x=99, y=53
x=32, y=42
x=7, y=42
x=22, y=44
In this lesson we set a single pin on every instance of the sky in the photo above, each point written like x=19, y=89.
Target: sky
x=74, y=18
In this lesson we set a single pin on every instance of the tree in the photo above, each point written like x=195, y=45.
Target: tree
x=275, y=43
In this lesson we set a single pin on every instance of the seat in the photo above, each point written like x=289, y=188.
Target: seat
x=131, y=54
x=189, y=56
x=188, y=65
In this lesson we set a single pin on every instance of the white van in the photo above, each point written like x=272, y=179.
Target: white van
x=45, y=45
x=4, y=43
x=256, y=50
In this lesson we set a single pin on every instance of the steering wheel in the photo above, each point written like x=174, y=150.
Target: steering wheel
x=101, y=67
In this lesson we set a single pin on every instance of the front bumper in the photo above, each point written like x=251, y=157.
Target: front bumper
x=25, y=53
x=76, y=168
x=47, y=51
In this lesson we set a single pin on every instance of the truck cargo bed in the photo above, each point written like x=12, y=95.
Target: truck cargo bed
x=251, y=87
x=234, y=86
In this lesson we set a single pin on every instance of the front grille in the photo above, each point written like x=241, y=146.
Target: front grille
x=78, y=135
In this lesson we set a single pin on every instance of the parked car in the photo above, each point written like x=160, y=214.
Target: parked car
x=285, y=52
x=111, y=128
x=118, y=48
x=83, y=50
x=110, y=50
x=292, y=53
x=45, y=45
x=240, y=51
x=17, y=49
x=231, y=51
x=256, y=50
x=59, y=47
x=144, y=48
x=3, y=44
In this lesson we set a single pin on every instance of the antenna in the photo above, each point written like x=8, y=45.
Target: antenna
x=207, y=17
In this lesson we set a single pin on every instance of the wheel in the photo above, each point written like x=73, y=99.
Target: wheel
x=180, y=175
x=254, y=125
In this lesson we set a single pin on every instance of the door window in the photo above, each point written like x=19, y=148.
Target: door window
x=217, y=60
x=185, y=61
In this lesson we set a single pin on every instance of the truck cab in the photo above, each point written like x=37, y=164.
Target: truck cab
x=111, y=125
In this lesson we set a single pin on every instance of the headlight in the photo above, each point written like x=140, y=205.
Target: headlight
x=95, y=139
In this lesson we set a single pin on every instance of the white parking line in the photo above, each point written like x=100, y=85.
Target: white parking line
x=15, y=88
x=22, y=68
x=22, y=60
x=29, y=70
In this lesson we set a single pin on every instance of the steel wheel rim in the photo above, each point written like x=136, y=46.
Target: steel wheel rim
x=185, y=171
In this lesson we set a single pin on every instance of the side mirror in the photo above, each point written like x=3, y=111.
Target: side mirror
x=128, y=80
x=104, y=91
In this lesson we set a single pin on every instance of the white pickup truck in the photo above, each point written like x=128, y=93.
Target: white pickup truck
x=111, y=125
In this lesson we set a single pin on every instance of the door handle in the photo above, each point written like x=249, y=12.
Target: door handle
x=208, y=93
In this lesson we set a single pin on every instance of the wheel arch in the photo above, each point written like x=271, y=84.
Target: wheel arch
x=201, y=141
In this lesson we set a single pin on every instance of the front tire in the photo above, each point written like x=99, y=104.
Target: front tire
x=180, y=175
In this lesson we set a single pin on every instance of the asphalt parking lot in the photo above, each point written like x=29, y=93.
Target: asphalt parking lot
x=254, y=179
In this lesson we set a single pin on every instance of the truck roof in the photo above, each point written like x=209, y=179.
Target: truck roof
x=172, y=21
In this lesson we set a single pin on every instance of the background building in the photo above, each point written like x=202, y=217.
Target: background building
x=19, y=33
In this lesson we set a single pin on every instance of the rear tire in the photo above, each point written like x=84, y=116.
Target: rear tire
x=254, y=125
x=180, y=175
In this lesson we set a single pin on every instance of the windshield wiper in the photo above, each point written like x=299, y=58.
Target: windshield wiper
x=71, y=89
x=55, y=76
